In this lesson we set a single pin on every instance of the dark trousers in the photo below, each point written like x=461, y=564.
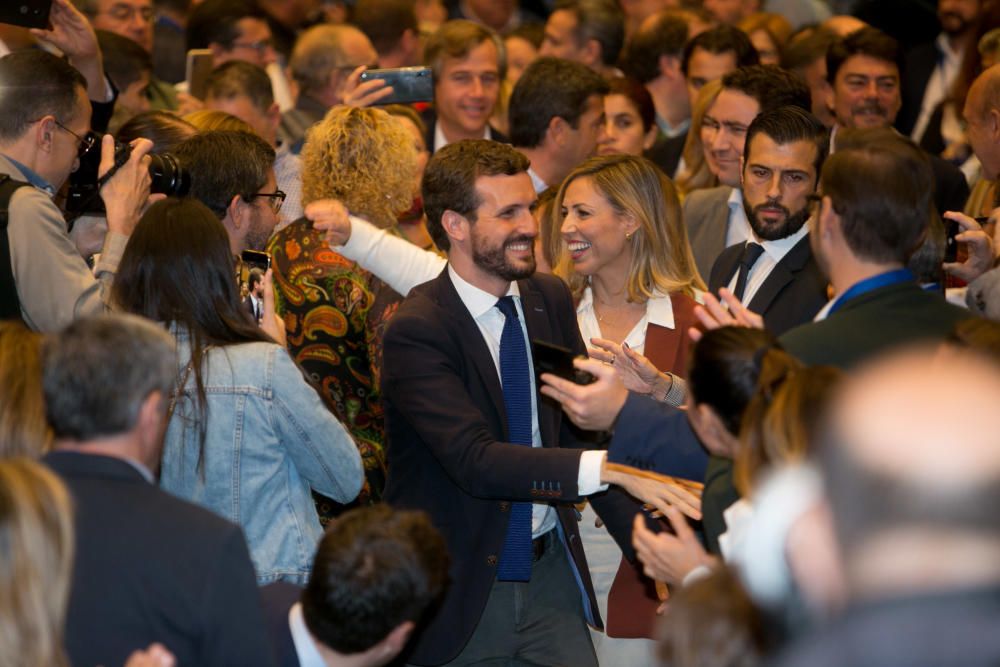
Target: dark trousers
x=534, y=623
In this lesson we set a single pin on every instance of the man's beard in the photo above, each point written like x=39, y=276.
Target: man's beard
x=494, y=259
x=773, y=232
x=953, y=23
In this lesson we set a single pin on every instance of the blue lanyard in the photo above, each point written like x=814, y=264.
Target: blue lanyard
x=870, y=285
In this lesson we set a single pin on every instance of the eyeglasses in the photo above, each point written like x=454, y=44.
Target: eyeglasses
x=274, y=199
x=260, y=47
x=84, y=143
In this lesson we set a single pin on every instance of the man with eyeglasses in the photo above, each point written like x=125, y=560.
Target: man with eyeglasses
x=232, y=173
x=45, y=128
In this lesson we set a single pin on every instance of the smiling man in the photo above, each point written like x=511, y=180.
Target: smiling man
x=470, y=440
x=468, y=64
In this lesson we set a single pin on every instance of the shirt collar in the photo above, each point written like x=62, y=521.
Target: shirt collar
x=735, y=198
x=671, y=131
x=477, y=301
x=440, y=141
x=31, y=176
x=779, y=248
x=659, y=309
x=305, y=645
x=537, y=182
x=949, y=55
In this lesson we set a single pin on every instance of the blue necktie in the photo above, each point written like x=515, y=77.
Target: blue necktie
x=515, y=560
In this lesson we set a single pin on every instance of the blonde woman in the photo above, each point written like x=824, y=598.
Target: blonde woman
x=36, y=560
x=696, y=173
x=23, y=428
x=335, y=311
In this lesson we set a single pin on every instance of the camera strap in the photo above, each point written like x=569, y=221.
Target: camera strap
x=10, y=305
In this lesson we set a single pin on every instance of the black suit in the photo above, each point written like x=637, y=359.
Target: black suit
x=429, y=117
x=447, y=449
x=248, y=305
x=792, y=293
x=278, y=599
x=150, y=568
x=666, y=153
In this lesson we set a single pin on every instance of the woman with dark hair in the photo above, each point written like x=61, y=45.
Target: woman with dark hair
x=248, y=436
x=630, y=119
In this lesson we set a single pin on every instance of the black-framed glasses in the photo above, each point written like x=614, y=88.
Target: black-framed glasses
x=84, y=143
x=274, y=199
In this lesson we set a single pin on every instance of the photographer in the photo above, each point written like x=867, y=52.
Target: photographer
x=44, y=130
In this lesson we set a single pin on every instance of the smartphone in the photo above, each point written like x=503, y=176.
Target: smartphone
x=409, y=84
x=558, y=360
x=27, y=13
x=199, y=67
x=951, y=230
x=256, y=259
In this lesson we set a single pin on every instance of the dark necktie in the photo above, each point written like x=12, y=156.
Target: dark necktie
x=751, y=253
x=515, y=560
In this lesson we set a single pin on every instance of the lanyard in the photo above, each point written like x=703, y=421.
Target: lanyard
x=870, y=285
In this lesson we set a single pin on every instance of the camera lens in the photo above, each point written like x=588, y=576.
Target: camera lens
x=167, y=176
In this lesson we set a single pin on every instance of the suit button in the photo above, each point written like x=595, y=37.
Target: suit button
x=491, y=560
x=504, y=506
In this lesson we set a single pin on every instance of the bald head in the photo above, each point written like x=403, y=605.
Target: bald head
x=912, y=468
x=982, y=117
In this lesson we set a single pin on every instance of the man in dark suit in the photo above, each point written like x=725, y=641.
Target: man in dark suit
x=376, y=572
x=149, y=567
x=471, y=441
x=774, y=272
x=465, y=58
x=715, y=217
x=254, y=303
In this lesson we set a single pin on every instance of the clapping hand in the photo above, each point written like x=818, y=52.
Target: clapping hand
x=636, y=371
x=661, y=491
x=728, y=312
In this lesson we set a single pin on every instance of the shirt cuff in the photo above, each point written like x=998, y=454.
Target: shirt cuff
x=697, y=574
x=364, y=236
x=588, y=480
x=111, y=254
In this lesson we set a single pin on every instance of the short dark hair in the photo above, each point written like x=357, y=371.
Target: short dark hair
x=870, y=42
x=455, y=39
x=375, y=568
x=666, y=36
x=548, y=88
x=785, y=125
x=255, y=276
x=770, y=85
x=638, y=95
x=35, y=84
x=598, y=20
x=124, y=60
x=806, y=47
x=166, y=130
x=882, y=187
x=449, y=182
x=98, y=371
x=223, y=164
x=722, y=39
x=385, y=21
x=237, y=77
x=215, y=21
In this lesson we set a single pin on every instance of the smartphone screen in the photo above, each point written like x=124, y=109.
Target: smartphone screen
x=199, y=67
x=409, y=84
x=27, y=13
x=256, y=259
x=558, y=360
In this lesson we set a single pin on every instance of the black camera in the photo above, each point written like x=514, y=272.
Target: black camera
x=166, y=174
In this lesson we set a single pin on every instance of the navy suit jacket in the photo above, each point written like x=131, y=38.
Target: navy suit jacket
x=278, y=599
x=792, y=293
x=448, y=452
x=151, y=567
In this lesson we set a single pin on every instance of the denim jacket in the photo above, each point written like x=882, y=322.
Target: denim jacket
x=268, y=440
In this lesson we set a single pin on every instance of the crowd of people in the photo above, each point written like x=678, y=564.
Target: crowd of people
x=660, y=333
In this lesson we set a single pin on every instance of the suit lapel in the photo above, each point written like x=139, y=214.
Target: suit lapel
x=782, y=274
x=473, y=346
x=536, y=319
x=725, y=268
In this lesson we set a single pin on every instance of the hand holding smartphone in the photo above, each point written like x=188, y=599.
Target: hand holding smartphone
x=558, y=360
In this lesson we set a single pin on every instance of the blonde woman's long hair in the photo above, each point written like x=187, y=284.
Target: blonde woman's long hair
x=661, y=260
x=696, y=174
x=36, y=561
x=363, y=157
x=24, y=430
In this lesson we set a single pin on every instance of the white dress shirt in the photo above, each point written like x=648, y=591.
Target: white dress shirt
x=659, y=310
x=440, y=141
x=397, y=262
x=774, y=252
x=482, y=307
x=738, y=229
x=939, y=85
x=305, y=645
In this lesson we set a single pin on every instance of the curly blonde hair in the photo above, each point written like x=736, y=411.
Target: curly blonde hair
x=363, y=157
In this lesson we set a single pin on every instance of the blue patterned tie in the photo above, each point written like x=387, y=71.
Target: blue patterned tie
x=515, y=560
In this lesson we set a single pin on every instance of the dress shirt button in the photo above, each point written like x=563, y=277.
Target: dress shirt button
x=491, y=560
